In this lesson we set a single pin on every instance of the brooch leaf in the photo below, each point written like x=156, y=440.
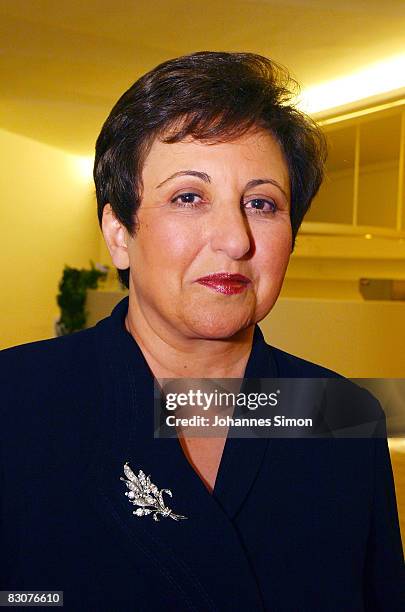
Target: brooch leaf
x=143, y=493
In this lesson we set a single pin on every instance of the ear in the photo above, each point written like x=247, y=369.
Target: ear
x=116, y=237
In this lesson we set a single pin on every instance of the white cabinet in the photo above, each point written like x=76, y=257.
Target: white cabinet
x=363, y=190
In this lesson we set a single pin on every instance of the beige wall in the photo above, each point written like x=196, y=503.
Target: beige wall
x=322, y=316
x=47, y=219
x=355, y=338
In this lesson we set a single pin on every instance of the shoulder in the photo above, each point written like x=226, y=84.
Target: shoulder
x=289, y=365
x=50, y=402
x=347, y=401
x=31, y=372
x=46, y=353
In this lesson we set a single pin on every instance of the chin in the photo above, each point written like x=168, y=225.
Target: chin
x=217, y=326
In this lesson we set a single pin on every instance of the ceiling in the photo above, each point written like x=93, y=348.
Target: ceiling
x=63, y=64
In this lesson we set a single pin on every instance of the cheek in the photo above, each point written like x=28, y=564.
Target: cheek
x=273, y=249
x=165, y=244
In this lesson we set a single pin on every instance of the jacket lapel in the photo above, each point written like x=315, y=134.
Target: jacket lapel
x=243, y=457
x=189, y=553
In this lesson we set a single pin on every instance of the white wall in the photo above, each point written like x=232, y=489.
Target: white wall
x=47, y=219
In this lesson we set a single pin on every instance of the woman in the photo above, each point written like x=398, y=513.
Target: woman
x=203, y=173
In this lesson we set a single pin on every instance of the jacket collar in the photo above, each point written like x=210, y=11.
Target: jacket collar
x=131, y=373
x=127, y=425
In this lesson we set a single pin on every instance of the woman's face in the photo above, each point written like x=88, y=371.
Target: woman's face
x=209, y=209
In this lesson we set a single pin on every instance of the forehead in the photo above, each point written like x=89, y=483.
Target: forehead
x=251, y=155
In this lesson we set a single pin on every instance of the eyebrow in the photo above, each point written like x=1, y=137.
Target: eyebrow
x=206, y=178
x=256, y=182
x=202, y=175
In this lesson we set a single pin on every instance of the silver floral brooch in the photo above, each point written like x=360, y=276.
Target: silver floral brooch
x=142, y=492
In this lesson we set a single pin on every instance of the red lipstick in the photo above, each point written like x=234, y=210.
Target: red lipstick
x=225, y=283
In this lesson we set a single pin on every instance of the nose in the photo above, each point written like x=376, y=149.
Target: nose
x=230, y=232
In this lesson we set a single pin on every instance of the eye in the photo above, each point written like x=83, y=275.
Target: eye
x=187, y=200
x=262, y=206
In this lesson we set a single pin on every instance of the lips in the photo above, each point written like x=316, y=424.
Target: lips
x=225, y=283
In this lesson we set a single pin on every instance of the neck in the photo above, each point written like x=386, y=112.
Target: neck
x=170, y=354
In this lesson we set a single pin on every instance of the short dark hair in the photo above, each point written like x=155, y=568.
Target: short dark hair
x=211, y=96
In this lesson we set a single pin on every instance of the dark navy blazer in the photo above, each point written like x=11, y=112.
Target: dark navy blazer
x=292, y=524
